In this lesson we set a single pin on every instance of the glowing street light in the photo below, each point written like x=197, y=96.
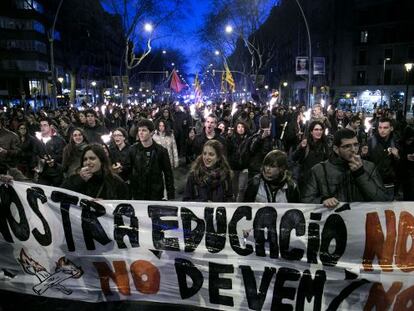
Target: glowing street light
x=383, y=77
x=164, y=52
x=93, y=83
x=408, y=68
x=229, y=29
x=285, y=84
x=217, y=52
x=148, y=27
x=172, y=64
x=60, y=79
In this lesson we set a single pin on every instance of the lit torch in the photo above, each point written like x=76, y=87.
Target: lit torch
x=233, y=109
x=106, y=138
x=307, y=115
x=367, y=124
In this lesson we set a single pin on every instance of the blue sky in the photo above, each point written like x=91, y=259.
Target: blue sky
x=186, y=39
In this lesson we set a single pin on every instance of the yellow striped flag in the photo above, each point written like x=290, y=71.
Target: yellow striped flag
x=229, y=78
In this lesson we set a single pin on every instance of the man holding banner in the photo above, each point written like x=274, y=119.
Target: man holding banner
x=350, y=178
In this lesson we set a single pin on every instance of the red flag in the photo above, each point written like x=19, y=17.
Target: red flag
x=176, y=83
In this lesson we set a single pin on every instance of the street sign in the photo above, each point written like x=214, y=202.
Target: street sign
x=302, y=65
x=319, y=65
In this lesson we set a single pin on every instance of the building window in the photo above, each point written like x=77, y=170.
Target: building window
x=364, y=36
x=361, y=76
x=387, y=76
x=38, y=27
x=29, y=5
x=388, y=53
x=411, y=53
x=362, y=57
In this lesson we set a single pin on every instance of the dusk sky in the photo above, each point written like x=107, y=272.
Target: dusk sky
x=186, y=40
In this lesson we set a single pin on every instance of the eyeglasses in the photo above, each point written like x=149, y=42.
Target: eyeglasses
x=350, y=146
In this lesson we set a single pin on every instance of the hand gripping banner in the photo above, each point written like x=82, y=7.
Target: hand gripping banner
x=233, y=256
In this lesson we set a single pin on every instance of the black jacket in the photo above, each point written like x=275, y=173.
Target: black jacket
x=108, y=188
x=147, y=179
x=333, y=178
x=197, y=192
x=201, y=139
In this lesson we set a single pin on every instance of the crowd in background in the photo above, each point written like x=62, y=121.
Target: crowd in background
x=233, y=152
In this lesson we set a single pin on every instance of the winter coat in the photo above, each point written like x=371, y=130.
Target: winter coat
x=238, y=151
x=72, y=162
x=258, y=191
x=120, y=156
x=259, y=147
x=333, y=178
x=385, y=162
x=107, y=188
x=93, y=134
x=147, y=178
x=201, y=139
x=197, y=192
x=168, y=142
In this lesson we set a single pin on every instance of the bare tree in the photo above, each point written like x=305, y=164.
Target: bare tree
x=234, y=23
x=134, y=14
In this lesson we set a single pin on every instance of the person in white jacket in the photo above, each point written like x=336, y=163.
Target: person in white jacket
x=163, y=135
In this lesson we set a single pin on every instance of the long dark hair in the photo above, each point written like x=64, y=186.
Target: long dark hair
x=71, y=146
x=168, y=131
x=309, y=134
x=222, y=165
x=100, y=153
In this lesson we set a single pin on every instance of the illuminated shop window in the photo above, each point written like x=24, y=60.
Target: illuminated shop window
x=364, y=36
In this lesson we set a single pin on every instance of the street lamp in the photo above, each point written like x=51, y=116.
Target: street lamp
x=229, y=29
x=164, y=52
x=217, y=52
x=309, y=52
x=60, y=79
x=408, y=68
x=93, y=83
x=383, y=77
x=148, y=27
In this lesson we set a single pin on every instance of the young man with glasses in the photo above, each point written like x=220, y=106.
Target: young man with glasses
x=345, y=177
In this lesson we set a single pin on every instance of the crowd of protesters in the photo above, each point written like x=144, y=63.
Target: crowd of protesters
x=234, y=153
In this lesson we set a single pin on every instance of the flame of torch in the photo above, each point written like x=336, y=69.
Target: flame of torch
x=106, y=138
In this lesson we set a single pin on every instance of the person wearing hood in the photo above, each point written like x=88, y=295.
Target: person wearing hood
x=274, y=184
x=344, y=177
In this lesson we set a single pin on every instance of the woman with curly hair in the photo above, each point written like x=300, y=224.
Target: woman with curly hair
x=95, y=178
x=210, y=176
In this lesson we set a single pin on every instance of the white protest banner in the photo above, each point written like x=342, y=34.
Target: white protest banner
x=235, y=256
